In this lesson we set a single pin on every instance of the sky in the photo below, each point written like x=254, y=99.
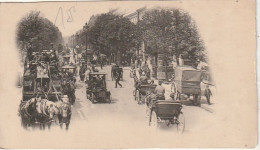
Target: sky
x=71, y=17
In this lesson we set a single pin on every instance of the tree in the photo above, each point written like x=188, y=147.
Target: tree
x=113, y=34
x=37, y=32
x=171, y=29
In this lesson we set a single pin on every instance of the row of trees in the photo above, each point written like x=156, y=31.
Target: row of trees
x=37, y=33
x=171, y=32
x=113, y=34
x=165, y=31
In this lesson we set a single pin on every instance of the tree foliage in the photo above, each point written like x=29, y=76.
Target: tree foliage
x=37, y=32
x=112, y=34
x=171, y=31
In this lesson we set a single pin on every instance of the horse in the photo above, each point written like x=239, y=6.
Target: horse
x=44, y=112
x=69, y=89
x=62, y=110
x=27, y=112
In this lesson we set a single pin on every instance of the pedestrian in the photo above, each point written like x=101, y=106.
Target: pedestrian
x=208, y=94
x=118, y=76
x=88, y=70
x=140, y=72
x=101, y=63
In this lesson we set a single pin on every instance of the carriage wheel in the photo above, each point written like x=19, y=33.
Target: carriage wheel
x=174, y=90
x=153, y=120
x=92, y=98
x=146, y=101
x=108, y=99
x=196, y=100
x=23, y=123
x=131, y=74
x=181, y=123
x=137, y=96
x=199, y=98
x=148, y=107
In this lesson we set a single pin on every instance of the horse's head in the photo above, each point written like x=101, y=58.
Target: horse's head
x=38, y=106
x=31, y=104
x=65, y=109
x=52, y=110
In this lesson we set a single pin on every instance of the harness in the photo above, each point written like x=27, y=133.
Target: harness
x=43, y=105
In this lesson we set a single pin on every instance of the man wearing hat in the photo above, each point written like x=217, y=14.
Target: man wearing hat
x=143, y=78
x=160, y=91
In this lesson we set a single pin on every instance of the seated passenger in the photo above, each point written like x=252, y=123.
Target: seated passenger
x=99, y=81
x=143, y=78
x=160, y=91
x=150, y=97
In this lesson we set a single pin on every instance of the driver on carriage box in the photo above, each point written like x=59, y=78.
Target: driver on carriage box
x=88, y=70
x=143, y=78
x=99, y=81
x=160, y=91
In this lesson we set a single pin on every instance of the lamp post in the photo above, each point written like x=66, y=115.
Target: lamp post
x=77, y=46
x=85, y=31
x=73, y=47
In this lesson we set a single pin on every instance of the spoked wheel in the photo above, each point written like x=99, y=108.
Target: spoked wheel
x=131, y=74
x=153, y=120
x=180, y=123
x=92, y=98
x=141, y=99
x=174, y=91
x=134, y=93
x=112, y=77
x=108, y=99
x=137, y=96
x=196, y=99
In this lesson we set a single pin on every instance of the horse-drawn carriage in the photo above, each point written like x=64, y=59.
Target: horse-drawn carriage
x=41, y=112
x=66, y=59
x=116, y=69
x=187, y=81
x=166, y=111
x=96, y=88
x=41, y=92
x=71, y=70
x=141, y=91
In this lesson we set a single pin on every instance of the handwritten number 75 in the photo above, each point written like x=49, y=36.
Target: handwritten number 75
x=69, y=13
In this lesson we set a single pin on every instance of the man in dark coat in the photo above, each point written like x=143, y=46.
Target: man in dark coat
x=208, y=93
x=118, y=76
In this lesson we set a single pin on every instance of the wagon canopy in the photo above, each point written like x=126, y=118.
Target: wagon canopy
x=69, y=67
x=191, y=75
x=187, y=74
x=42, y=73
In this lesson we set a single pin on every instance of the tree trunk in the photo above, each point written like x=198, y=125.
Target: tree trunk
x=177, y=59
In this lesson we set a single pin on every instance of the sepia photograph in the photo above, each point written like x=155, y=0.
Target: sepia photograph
x=128, y=74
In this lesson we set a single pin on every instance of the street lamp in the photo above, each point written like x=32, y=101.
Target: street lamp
x=85, y=31
x=77, y=45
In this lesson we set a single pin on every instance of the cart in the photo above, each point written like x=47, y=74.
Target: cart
x=141, y=91
x=115, y=69
x=96, y=89
x=72, y=70
x=169, y=112
x=187, y=81
x=66, y=59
